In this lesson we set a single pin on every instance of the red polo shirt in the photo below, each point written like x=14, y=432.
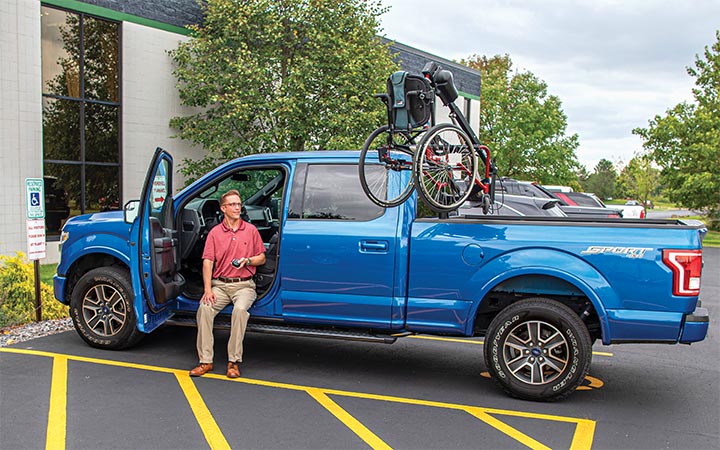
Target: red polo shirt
x=225, y=244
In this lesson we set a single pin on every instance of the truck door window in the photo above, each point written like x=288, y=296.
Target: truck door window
x=331, y=192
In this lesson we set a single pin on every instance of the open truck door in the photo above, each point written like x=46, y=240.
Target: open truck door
x=154, y=246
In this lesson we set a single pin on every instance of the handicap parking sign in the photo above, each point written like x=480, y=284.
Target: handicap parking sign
x=35, y=195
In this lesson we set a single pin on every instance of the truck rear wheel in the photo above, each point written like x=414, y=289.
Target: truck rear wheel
x=538, y=349
x=102, y=310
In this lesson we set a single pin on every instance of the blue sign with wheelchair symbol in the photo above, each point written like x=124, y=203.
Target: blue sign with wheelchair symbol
x=34, y=199
x=35, y=195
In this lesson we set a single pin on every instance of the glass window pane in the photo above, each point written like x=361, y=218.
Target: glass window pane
x=101, y=133
x=102, y=188
x=57, y=208
x=101, y=59
x=333, y=192
x=66, y=178
x=61, y=129
x=60, y=52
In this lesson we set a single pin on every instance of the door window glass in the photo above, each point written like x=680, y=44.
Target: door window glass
x=332, y=192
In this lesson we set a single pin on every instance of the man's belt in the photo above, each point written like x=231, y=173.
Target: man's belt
x=233, y=280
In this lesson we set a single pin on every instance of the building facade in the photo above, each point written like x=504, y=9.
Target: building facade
x=87, y=95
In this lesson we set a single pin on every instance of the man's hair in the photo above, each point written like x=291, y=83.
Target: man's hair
x=228, y=194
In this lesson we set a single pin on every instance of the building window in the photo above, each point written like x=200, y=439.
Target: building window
x=81, y=113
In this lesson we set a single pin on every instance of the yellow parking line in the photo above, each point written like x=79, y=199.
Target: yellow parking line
x=582, y=439
x=57, y=412
x=507, y=429
x=352, y=423
x=209, y=427
x=469, y=341
x=435, y=338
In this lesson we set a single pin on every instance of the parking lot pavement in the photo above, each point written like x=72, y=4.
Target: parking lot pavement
x=56, y=392
x=97, y=400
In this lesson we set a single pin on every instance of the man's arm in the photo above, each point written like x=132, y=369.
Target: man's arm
x=208, y=297
x=257, y=260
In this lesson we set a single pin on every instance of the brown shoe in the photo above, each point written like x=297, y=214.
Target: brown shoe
x=201, y=369
x=233, y=371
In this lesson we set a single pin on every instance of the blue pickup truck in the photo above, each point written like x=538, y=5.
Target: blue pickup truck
x=540, y=290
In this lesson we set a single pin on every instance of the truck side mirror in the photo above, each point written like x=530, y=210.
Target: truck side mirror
x=131, y=210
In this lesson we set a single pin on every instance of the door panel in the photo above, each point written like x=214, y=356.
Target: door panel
x=338, y=257
x=155, y=276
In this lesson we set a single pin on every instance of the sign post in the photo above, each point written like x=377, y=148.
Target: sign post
x=35, y=227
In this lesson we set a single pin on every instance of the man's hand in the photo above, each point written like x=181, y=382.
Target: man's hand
x=208, y=298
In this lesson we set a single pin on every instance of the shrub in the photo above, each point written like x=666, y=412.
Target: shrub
x=17, y=293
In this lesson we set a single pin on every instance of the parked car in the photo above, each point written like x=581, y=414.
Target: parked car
x=515, y=205
x=568, y=206
x=539, y=290
x=632, y=209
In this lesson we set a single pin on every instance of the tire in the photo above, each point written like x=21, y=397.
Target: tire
x=513, y=354
x=445, y=167
x=376, y=163
x=102, y=310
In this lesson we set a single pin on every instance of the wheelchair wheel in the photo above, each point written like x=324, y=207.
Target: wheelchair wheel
x=445, y=167
x=385, y=166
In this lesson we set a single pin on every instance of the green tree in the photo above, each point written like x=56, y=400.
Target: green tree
x=685, y=141
x=281, y=75
x=602, y=181
x=522, y=124
x=639, y=179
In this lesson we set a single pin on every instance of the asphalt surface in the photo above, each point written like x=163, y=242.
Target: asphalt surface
x=303, y=393
x=669, y=213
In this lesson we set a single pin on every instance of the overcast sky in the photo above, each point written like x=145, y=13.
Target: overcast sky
x=613, y=64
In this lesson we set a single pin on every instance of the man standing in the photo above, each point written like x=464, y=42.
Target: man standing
x=232, y=251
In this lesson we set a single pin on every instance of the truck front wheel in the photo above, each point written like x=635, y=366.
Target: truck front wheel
x=102, y=310
x=538, y=349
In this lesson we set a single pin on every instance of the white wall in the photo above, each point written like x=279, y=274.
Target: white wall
x=149, y=101
x=20, y=116
x=441, y=112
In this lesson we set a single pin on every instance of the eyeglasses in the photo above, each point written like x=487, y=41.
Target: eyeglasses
x=233, y=205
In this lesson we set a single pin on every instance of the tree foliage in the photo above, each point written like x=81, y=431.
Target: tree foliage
x=602, y=181
x=524, y=127
x=638, y=179
x=685, y=141
x=281, y=75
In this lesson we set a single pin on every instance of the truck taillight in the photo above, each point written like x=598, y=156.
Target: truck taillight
x=686, y=266
x=642, y=214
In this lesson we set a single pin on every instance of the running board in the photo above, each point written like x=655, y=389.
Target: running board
x=293, y=330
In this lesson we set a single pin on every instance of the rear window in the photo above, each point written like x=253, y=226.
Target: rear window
x=331, y=192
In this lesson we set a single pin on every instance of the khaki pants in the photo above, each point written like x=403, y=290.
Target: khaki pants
x=242, y=295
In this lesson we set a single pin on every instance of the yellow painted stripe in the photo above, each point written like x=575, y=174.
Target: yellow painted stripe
x=213, y=435
x=587, y=425
x=435, y=338
x=352, y=423
x=507, y=429
x=470, y=341
x=57, y=412
x=584, y=435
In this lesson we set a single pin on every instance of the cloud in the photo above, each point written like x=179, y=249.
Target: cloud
x=613, y=64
